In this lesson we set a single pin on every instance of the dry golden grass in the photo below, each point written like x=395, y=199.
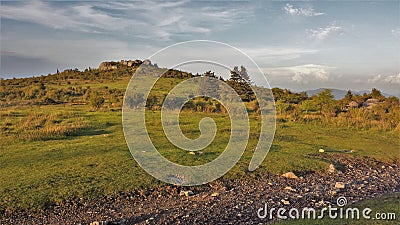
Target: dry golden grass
x=40, y=125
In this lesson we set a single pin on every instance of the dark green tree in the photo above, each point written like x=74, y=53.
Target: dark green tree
x=375, y=93
x=348, y=97
x=240, y=85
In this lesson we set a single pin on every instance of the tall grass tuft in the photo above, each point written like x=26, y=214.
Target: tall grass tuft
x=40, y=126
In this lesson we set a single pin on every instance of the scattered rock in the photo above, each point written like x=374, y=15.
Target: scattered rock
x=99, y=223
x=186, y=193
x=331, y=168
x=321, y=150
x=192, y=153
x=290, y=189
x=285, y=202
x=340, y=185
x=290, y=175
x=317, y=189
x=215, y=194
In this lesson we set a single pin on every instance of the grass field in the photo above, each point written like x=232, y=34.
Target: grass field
x=94, y=160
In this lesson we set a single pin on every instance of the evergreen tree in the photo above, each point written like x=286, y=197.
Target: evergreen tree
x=348, y=97
x=240, y=85
x=244, y=75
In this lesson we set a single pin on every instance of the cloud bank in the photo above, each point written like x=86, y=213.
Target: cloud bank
x=302, y=74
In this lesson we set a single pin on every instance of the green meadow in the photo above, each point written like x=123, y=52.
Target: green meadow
x=55, y=153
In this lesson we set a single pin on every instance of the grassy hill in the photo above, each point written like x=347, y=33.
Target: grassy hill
x=57, y=144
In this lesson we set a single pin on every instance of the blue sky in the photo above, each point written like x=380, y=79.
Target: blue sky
x=298, y=45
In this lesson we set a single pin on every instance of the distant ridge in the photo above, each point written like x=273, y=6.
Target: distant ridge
x=339, y=94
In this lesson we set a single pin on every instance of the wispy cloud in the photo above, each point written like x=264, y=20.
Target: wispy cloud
x=391, y=79
x=291, y=10
x=148, y=19
x=303, y=74
x=278, y=53
x=324, y=32
x=80, y=17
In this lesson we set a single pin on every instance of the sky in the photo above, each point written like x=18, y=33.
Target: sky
x=299, y=45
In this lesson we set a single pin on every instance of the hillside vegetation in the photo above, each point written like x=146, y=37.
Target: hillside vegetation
x=104, y=89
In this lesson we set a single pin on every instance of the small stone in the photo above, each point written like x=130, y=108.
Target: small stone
x=192, y=153
x=186, y=193
x=99, y=223
x=285, y=202
x=321, y=150
x=215, y=194
x=290, y=189
x=340, y=185
x=290, y=175
x=331, y=168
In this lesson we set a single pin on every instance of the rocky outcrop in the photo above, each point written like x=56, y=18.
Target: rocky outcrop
x=368, y=104
x=123, y=63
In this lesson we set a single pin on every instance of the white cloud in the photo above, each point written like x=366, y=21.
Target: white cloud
x=291, y=10
x=304, y=74
x=148, y=19
x=396, y=32
x=325, y=32
x=391, y=79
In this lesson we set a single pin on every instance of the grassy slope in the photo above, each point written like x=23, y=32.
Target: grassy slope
x=97, y=162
